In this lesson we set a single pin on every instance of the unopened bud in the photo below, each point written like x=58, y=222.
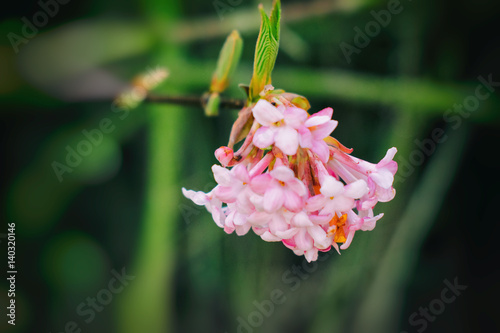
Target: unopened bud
x=224, y=155
x=228, y=60
x=212, y=107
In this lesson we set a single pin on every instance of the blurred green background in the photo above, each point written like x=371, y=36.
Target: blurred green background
x=119, y=210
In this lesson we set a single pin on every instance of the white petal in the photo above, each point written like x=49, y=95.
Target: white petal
x=303, y=240
x=218, y=216
x=325, y=112
x=260, y=183
x=222, y=175
x=315, y=203
x=383, y=178
x=357, y=189
x=311, y=255
x=340, y=204
x=282, y=173
x=265, y=113
x=273, y=199
x=305, y=137
x=321, y=149
x=287, y=233
x=257, y=201
x=269, y=237
x=295, y=117
x=297, y=186
x=331, y=187
x=278, y=224
x=385, y=195
x=389, y=156
x=293, y=202
x=242, y=229
x=369, y=223
x=287, y=139
x=348, y=241
x=319, y=236
x=316, y=120
x=199, y=198
x=264, y=137
x=321, y=219
x=240, y=172
x=301, y=220
x=322, y=131
x=239, y=219
x=259, y=218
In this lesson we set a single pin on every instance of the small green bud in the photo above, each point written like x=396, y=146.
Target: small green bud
x=212, y=107
x=228, y=60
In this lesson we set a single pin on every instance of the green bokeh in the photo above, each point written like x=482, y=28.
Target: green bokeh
x=74, y=263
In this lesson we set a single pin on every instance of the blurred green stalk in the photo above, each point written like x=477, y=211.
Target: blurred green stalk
x=383, y=300
x=353, y=270
x=147, y=306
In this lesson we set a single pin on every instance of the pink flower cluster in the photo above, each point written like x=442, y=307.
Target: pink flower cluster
x=291, y=182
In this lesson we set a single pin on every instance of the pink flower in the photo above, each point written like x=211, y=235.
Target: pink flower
x=279, y=126
x=233, y=184
x=291, y=182
x=336, y=197
x=211, y=203
x=310, y=237
x=379, y=177
x=274, y=226
x=363, y=221
x=234, y=190
x=279, y=188
x=315, y=129
x=236, y=220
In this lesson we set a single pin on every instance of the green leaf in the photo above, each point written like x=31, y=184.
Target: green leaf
x=266, y=50
x=228, y=60
x=275, y=19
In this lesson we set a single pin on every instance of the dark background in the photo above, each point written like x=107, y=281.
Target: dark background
x=122, y=206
